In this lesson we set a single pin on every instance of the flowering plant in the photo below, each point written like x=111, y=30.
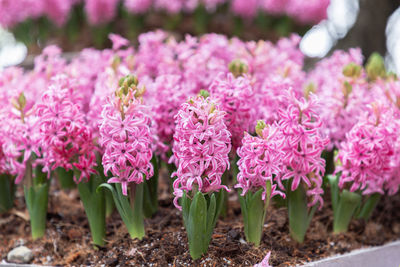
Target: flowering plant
x=260, y=163
x=201, y=147
x=127, y=139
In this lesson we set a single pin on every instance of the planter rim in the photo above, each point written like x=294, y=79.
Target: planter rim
x=386, y=255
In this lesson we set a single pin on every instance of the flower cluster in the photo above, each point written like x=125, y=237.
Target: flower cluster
x=66, y=141
x=369, y=156
x=260, y=161
x=302, y=146
x=126, y=136
x=201, y=146
x=344, y=95
x=165, y=96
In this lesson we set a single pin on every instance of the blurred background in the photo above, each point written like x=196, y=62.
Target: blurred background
x=27, y=26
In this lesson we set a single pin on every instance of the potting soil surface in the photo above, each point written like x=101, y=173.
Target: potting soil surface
x=67, y=241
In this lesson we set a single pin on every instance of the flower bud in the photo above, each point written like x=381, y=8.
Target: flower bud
x=204, y=93
x=375, y=67
x=347, y=88
x=310, y=88
x=352, y=70
x=115, y=63
x=238, y=67
x=260, y=127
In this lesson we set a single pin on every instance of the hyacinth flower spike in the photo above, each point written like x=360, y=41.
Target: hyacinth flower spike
x=36, y=184
x=67, y=143
x=303, y=166
x=365, y=167
x=260, y=162
x=127, y=138
x=201, y=147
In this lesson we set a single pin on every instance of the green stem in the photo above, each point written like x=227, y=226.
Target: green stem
x=347, y=205
x=36, y=197
x=201, y=19
x=369, y=206
x=109, y=201
x=299, y=215
x=7, y=192
x=65, y=178
x=150, y=202
x=136, y=226
x=224, y=181
x=94, y=204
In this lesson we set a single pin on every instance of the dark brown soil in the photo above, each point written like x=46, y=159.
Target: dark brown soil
x=67, y=241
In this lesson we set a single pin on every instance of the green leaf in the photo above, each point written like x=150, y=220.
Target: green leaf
x=348, y=203
x=36, y=198
x=256, y=212
x=65, y=178
x=211, y=219
x=197, y=226
x=185, y=203
x=94, y=205
x=150, y=202
x=369, y=206
x=333, y=182
x=7, y=192
x=132, y=216
x=298, y=213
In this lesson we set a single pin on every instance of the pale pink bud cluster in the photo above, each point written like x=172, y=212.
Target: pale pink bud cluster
x=342, y=105
x=237, y=98
x=201, y=146
x=166, y=96
x=66, y=140
x=126, y=138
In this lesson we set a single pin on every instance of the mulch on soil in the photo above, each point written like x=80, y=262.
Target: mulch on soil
x=67, y=241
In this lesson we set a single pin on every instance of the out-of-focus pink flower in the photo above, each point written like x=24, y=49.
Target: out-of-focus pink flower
x=138, y=6
x=58, y=10
x=342, y=105
x=201, y=146
x=245, y=8
x=100, y=11
x=166, y=95
x=117, y=41
x=310, y=11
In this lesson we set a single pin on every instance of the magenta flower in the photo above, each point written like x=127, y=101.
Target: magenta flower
x=201, y=146
x=302, y=145
x=66, y=141
x=260, y=161
x=369, y=156
x=127, y=139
